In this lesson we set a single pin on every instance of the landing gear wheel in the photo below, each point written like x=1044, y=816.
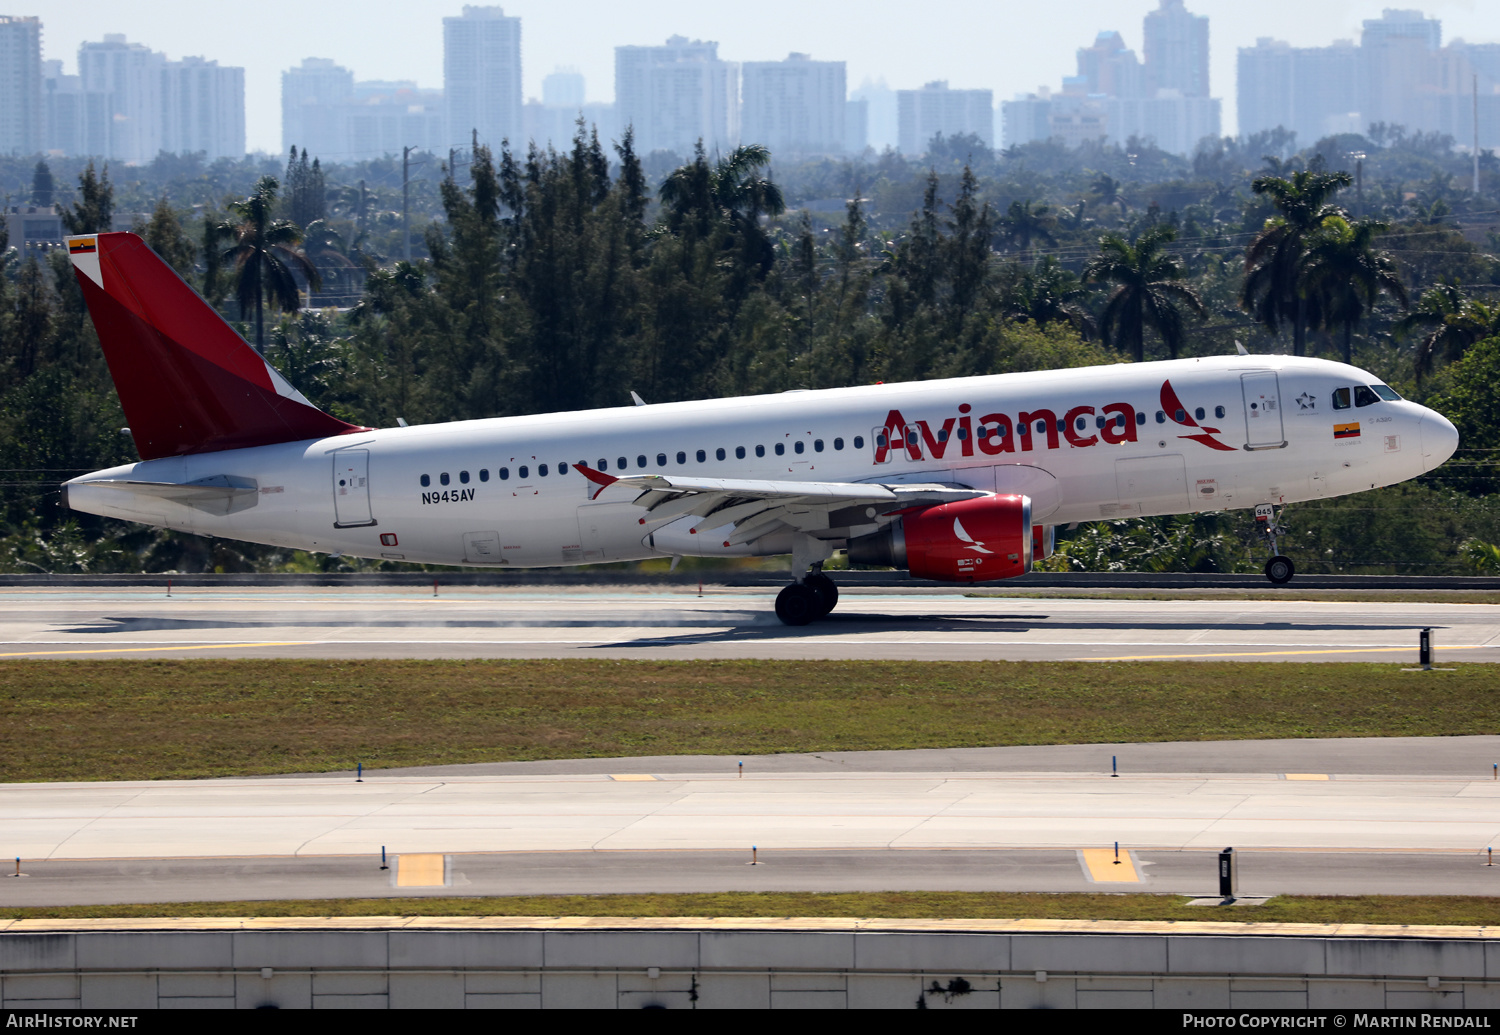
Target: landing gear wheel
x=1280, y=570
x=825, y=590
x=797, y=605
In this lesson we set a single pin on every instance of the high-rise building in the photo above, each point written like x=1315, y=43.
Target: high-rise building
x=883, y=127
x=129, y=75
x=203, y=109
x=482, y=76
x=794, y=107
x=1163, y=100
x=1400, y=75
x=21, y=111
x=676, y=95
x=313, y=96
x=856, y=126
x=1108, y=69
x=1176, y=51
x=923, y=114
x=1398, y=59
x=564, y=88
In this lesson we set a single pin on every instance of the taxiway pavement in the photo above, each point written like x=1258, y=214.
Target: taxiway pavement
x=843, y=824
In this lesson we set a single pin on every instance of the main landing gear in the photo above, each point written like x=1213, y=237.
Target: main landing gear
x=1279, y=569
x=808, y=600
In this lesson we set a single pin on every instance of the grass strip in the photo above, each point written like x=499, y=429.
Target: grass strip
x=1460, y=910
x=157, y=719
x=1347, y=596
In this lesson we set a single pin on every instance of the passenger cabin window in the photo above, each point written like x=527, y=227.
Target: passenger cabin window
x=504, y=474
x=781, y=449
x=640, y=461
x=621, y=464
x=760, y=450
x=484, y=474
x=603, y=464
x=463, y=476
x=798, y=446
x=661, y=459
x=562, y=469
x=541, y=469
x=426, y=480
x=681, y=457
x=1364, y=397
x=1341, y=398
x=1200, y=413
x=719, y=453
x=817, y=445
x=838, y=443
x=739, y=452
x=1161, y=417
x=1140, y=416
x=443, y=477
x=1219, y=411
x=859, y=442
x=523, y=472
x=702, y=456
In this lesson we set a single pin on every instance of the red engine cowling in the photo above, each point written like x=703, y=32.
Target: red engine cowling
x=978, y=540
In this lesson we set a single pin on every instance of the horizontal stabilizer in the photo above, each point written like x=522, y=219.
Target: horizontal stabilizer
x=188, y=383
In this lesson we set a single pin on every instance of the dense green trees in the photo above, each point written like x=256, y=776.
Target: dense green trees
x=558, y=280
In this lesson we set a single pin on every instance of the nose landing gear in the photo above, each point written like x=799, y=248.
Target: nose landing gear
x=1279, y=569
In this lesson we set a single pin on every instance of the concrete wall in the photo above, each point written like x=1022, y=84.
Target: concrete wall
x=530, y=963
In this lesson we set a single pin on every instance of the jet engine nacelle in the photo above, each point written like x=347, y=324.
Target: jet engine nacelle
x=1043, y=541
x=978, y=540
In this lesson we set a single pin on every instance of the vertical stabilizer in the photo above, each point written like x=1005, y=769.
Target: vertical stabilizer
x=187, y=381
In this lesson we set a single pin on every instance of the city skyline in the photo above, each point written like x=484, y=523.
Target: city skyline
x=1012, y=52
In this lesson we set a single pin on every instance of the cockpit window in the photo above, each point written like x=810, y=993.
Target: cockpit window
x=1364, y=397
x=1386, y=392
x=1341, y=398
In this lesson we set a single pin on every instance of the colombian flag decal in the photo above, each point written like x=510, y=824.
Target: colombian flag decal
x=1346, y=430
x=82, y=245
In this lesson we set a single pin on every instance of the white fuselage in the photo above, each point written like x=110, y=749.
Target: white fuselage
x=490, y=492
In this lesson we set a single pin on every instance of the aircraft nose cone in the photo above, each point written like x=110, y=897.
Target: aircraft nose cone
x=1439, y=439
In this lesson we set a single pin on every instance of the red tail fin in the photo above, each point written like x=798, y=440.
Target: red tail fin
x=187, y=381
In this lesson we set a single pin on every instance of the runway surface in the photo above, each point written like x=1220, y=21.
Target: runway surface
x=924, y=624
x=816, y=823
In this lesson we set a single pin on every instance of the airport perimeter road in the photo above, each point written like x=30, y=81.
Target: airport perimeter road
x=638, y=830
x=941, y=624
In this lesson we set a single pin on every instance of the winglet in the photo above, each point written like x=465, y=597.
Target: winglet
x=187, y=382
x=599, y=478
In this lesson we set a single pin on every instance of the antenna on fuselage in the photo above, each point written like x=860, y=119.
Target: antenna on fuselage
x=637, y=399
x=1240, y=348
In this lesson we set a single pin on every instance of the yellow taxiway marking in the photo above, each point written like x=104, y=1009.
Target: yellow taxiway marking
x=1285, y=653
x=419, y=871
x=634, y=778
x=1104, y=866
x=1305, y=776
x=136, y=650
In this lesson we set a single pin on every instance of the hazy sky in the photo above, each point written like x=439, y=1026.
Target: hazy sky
x=1007, y=46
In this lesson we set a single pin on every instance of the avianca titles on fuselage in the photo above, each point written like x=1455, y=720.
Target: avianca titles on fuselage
x=958, y=479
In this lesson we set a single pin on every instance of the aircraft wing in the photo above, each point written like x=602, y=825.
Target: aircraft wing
x=757, y=508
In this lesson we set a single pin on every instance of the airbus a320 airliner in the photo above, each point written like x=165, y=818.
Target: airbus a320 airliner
x=958, y=480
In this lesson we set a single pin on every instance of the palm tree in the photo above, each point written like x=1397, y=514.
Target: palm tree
x=1453, y=322
x=1049, y=293
x=1346, y=274
x=264, y=255
x=1108, y=190
x=1148, y=291
x=731, y=191
x=1021, y=225
x=1273, y=292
